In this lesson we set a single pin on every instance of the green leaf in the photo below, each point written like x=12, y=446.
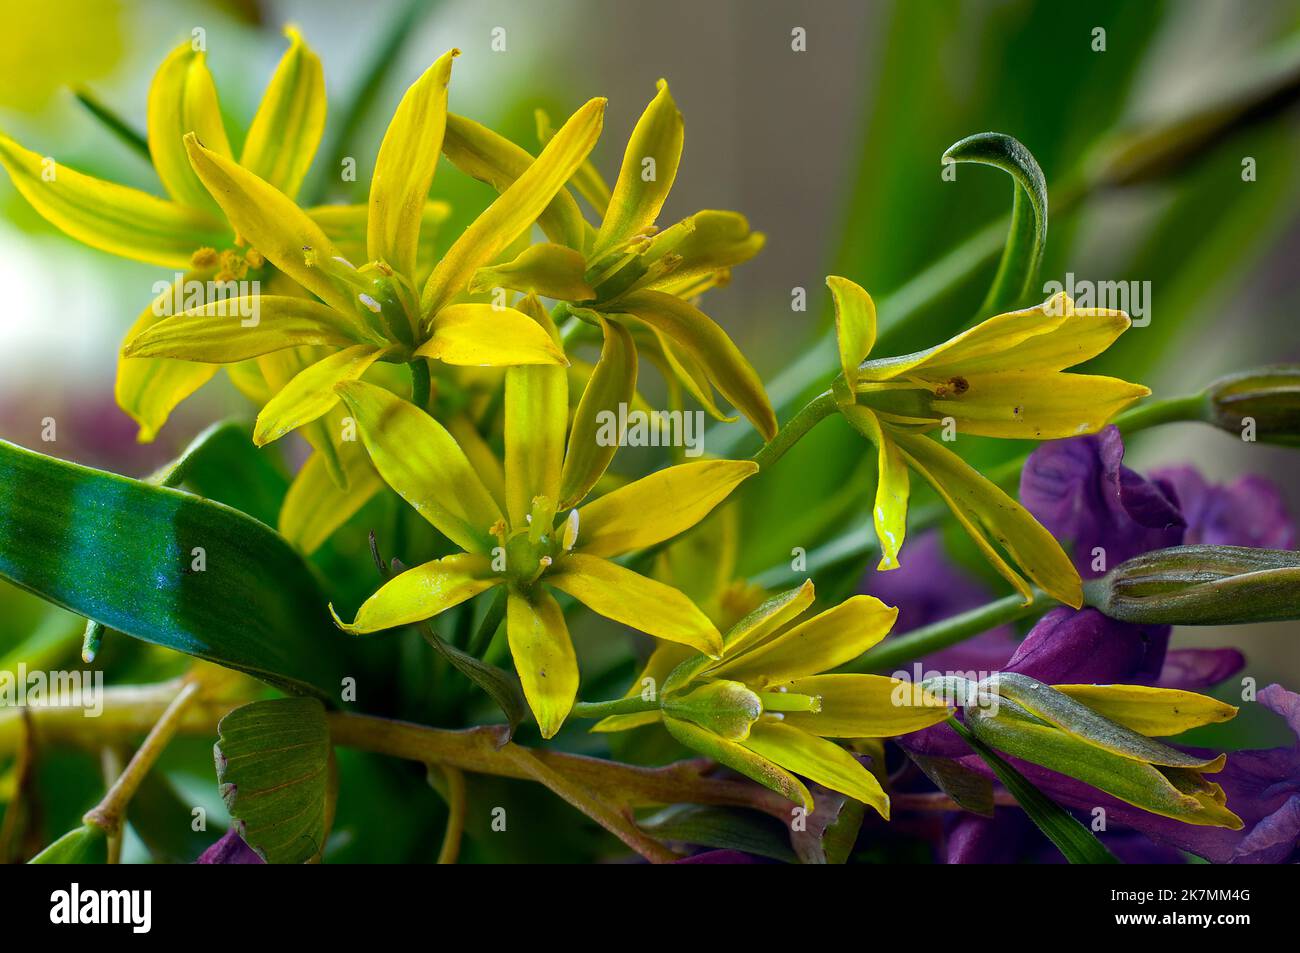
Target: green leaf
x=87, y=844
x=1016, y=280
x=273, y=767
x=502, y=687
x=123, y=552
x=722, y=828
x=972, y=792
x=1075, y=841
x=222, y=464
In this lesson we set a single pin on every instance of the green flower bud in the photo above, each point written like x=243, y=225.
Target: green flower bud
x=726, y=708
x=1201, y=585
x=1261, y=404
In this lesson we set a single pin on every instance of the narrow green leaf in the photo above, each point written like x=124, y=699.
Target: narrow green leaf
x=83, y=845
x=1016, y=281
x=972, y=792
x=723, y=829
x=222, y=464
x=273, y=766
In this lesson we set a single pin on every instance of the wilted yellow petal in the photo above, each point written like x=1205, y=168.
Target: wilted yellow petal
x=547, y=269
x=855, y=324
x=657, y=507
x=483, y=335
x=236, y=329
x=422, y=592
x=644, y=604
x=742, y=759
x=612, y=384
x=311, y=393
x=290, y=119
x=864, y=706
x=421, y=461
x=404, y=168
x=696, y=333
x=544, y=658
x=515, y=209
x=1037, y=405
x=315, y=507
x=646, y=177
x=817, y=760
x=183, y=99
x=1157, y=712
x=108, y=216
x=826, y=641
x=893, y=485
x=270, y=222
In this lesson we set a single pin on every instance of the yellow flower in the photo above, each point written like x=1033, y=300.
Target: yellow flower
x=508, y=529
x=1002, y=378
x=764, y=709
x=627, y=270
x=376, y=312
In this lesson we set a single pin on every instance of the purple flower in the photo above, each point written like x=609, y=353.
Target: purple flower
x=230, y=849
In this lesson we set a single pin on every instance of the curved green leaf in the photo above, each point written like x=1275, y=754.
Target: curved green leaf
x=86, y=844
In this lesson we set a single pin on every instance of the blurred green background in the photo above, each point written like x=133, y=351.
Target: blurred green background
x=833, y=151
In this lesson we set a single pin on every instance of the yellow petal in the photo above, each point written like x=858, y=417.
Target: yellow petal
x=544, y=658
x=536, y=416
x=483, y=335
x=545, y=268
x=588, y=181
x=855, y=324
x=111, y=217
x=311, y=393
x=1156, y=712
x=290, y=119
x=864, y=706
x=666, y=657
x=326, y=435
x=481, y=456
x=696, y=333
x=657, y=507
x=315, y=507
x=893, y=485
x=646, y=177
x=405, y=166
x=741, y=758
x=676, y=363
x=515, y=209
x=235, y=329
x=826, y=641
x=818, y=760
x=149, y=389
x=644, y=604
x=479, y=152
x=270, y=222
x=183, y=99
x=421, y=461
x=981, y=506
x=422, y=592
x=612, y=384
x=1037, y=405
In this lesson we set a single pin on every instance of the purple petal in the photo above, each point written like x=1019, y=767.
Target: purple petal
x=1071, y=647
x=721, y=857
x=1196, y=669
x=1273, y=840
x=1247, y=512
x=230, y=849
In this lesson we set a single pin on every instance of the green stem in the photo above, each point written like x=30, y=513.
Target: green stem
x=619, y=706
x=939, y=635
x=815, y=411
x=1167, y=410
x=420, y=383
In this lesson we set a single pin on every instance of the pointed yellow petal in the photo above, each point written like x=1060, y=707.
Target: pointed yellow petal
x=236, y=329
x=705, y=245
x=826, y=641
x=855, y=324
x=483, y=335
x=545, y=268
x=421, y=461
x=315, y=507
x=588, y=181
x=515, y=209
x=311, y=393
x=1156, y=712
x=817, y=760
x=479, y=152
x=326, y=435
x=149, y=389
x=981, y=506
x=625, y=596
x=405, y=166
x=183, y=99
x=1037, y=405
x=696, y=333
x=741, y=758
x=544, y=658
x=481, y=456
x=657, y=507
x=536, y=416
x=676, y=363
x=893, y=485
x=612, y=383
x=864, y=706
x=422, y=592
x=110, y=217
x=270, y=222
x=290, y=119
x=646, y=177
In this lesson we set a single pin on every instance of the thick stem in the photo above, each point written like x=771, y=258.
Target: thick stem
x=619, y=706
x=420, y=385
x=815, y=411
x=455, y=817
x=1167, y=410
